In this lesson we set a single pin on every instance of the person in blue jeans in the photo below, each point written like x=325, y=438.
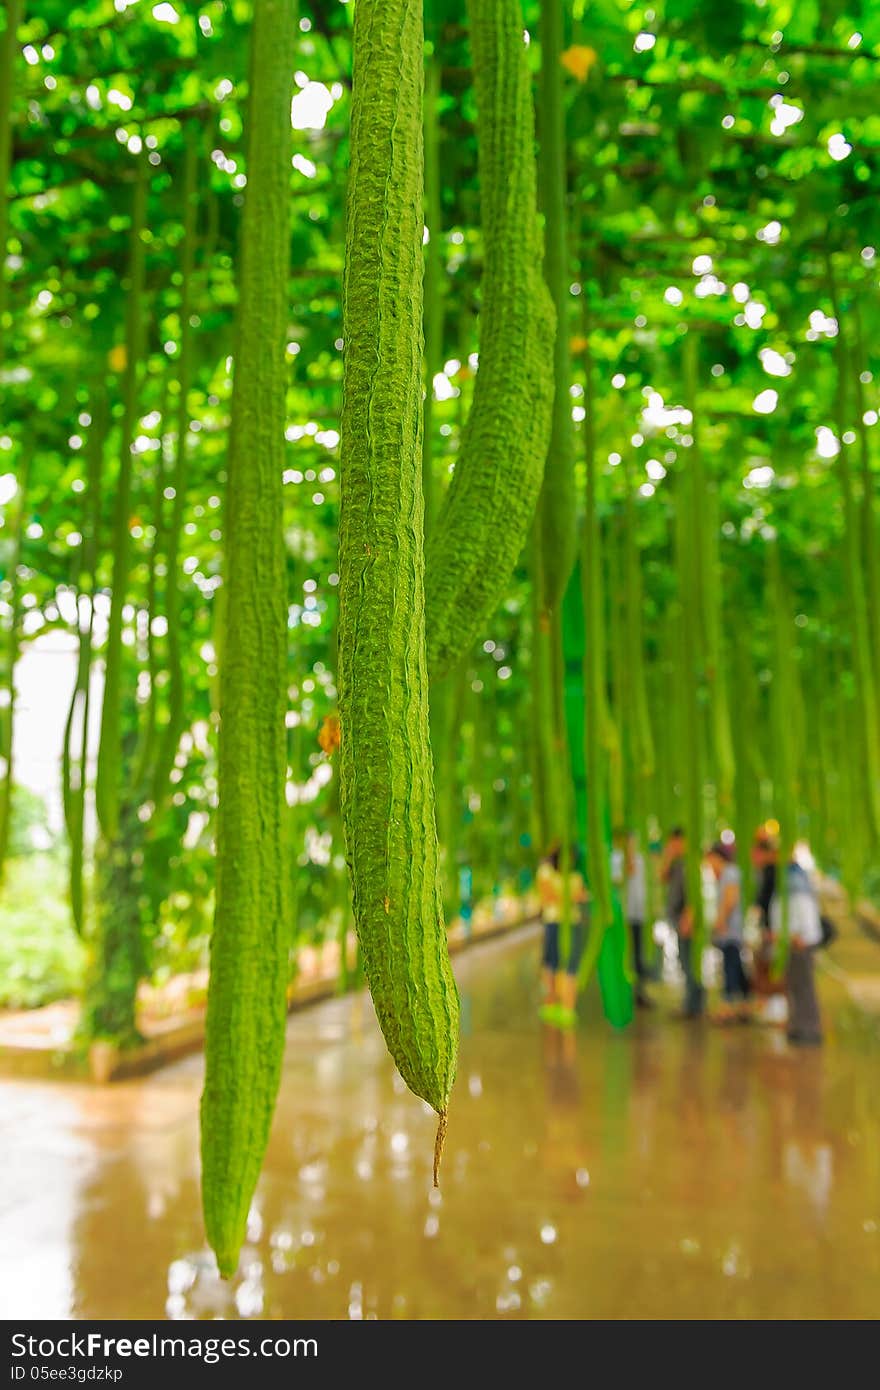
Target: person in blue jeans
x=728, y=932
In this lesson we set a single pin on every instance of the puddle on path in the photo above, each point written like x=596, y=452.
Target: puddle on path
x=672, y=1171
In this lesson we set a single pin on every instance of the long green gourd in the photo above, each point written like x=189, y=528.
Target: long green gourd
x=673, y=727
x=721, y=738
x=619, y=683
x=858, y=621
x=249, y=947
x=74, y=765
x=612, y=641
x=847, y=787
x=558, y=502
x=491, y=500
x=9, y=53
x=607, y=945
x=109, y=773
x=548, y=774
x=562, y=756
x=16, y=525
x=447, y=702
x=814, y=760
x=169, y=734
x=707, y=598
x=596, y=713
x=434, y=302
x=444, y=729
x=744, y=723
x=661, y=714
x=868, y=508
x=386, y=776
x=687, y=552
x=784, y=758
x=642, y=738
x=9, y=59
x=146, y=749
x=642, y=772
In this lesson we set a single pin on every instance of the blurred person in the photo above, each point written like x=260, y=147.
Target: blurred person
x=727, y=934
x=560, y=983
x=804, y=936
x=679, y=913
x=765, y=855
x=634, y=894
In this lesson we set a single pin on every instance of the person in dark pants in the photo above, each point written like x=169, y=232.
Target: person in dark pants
x=559, y=979
x=728, y=932
x=765, y=853
x=680, y=916
x=636, y=905
x=764, y=856
x=804, y=935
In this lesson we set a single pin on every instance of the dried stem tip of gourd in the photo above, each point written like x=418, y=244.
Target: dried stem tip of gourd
x=438, y=1145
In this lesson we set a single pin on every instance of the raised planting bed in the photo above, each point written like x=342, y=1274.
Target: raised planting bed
x=171, y=1017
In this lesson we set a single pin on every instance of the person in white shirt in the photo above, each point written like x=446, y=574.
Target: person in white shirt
x=804, y=935
x=635, y=905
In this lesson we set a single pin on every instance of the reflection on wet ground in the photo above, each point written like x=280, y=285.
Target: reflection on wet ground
x=673, y=1171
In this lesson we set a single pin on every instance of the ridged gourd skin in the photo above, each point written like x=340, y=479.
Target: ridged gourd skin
x=386, y=774
x=249, y=947
x=434, y=307
x=491, y=500
x=558, y=502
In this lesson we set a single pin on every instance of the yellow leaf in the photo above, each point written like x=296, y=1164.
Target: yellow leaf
x=329, y=736
x=578, y=60
x=578, y=344
x=117, y=358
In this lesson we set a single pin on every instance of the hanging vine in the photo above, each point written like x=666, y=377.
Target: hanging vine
x=491, y=500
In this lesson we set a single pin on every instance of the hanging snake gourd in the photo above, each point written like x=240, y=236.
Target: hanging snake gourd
x=109, y=772
x=558, y=501
x=721, y=738
x=556, y=518
x=74, y=761
x=854, y=559
x=784, y=734
x=688, y=541
x=386, y=776
x=870, y=535
x=249, y=946
x=597, y=716
x=491, y=500
x=642, y=740
x=434, y=269
x=10, y=61
x=170, y=733
x=9, y=58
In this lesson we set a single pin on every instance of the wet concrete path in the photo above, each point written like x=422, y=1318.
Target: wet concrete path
x=673, y=1171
